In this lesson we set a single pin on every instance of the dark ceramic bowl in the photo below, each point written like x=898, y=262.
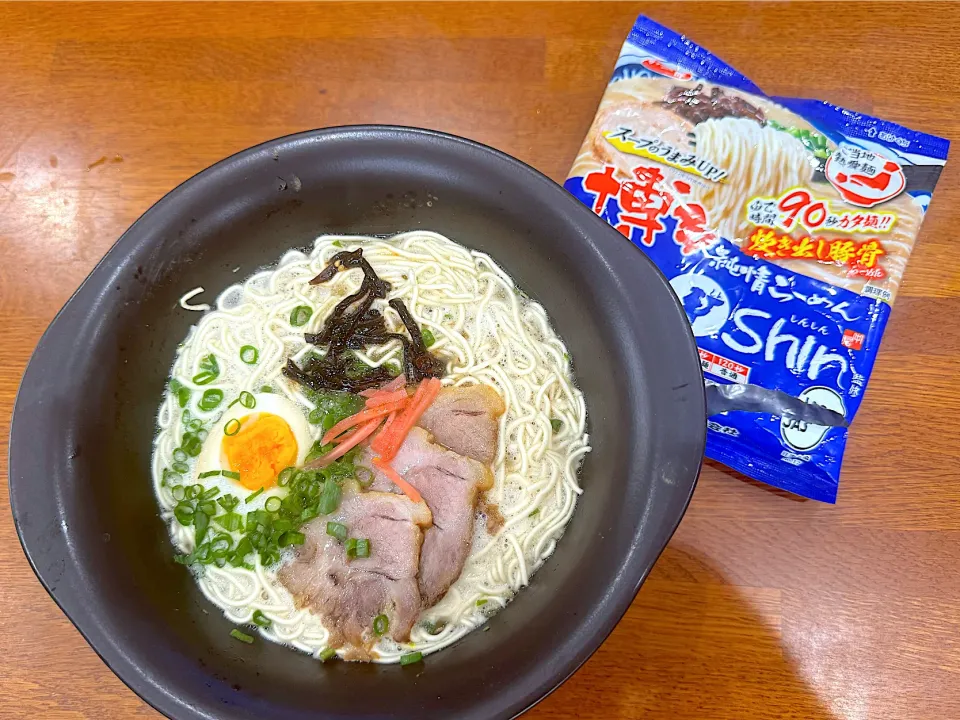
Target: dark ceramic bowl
x=84, y=421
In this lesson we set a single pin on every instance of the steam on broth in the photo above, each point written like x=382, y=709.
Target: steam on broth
x=370, y=477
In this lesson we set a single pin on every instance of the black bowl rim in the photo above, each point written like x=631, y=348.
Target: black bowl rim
x=618, y=604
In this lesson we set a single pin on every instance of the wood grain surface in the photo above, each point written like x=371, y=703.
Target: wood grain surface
x=764, y=605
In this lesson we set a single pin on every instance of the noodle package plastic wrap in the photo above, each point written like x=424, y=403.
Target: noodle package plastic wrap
x=783, y=225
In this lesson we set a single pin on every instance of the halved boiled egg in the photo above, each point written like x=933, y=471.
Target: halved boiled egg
x=257, y=442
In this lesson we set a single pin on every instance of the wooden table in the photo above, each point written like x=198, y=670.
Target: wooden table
x=764, y=605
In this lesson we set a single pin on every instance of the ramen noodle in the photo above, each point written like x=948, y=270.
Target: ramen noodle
x=783, y=225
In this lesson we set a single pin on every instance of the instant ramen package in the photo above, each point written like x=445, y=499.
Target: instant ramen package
x=783, y=225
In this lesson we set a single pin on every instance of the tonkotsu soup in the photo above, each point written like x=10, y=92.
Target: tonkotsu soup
x=366, y=451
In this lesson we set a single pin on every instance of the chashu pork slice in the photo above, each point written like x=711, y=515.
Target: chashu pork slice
x=466, y=420
x=348, y=593
x=450, y=485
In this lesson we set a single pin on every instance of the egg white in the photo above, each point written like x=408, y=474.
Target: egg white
x=212, y=456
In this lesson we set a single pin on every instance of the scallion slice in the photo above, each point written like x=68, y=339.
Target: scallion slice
x=249, y=354
x=230, y=522
x=326, y=654
x=292, y=537
x=428, y=338
x=329, y=497
x=481, y=602
x=179, y=455
x=210, y=399
x=208, y=473
x=244, y=638
x=411, y=658
x=260, y=619
x=254, y=496
x=363, y=548
x=556, y=425
x=301, y=315
x=228, y=502
x=364, y=476
x=209, y=370
x=337, y=530
x=232, y=474
x=248, y=400
x=178, y=492
x=231, y=428
x=381, y=623
x=285, y=476
x=272, y=504
x=181, y=468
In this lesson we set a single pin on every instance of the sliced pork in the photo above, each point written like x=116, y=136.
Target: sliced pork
x=466, y=420
x=349, y=593
x=450, y=485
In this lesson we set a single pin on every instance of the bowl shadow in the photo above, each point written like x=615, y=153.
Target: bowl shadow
x=690, y=649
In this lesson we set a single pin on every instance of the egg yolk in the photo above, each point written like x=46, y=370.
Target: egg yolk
x=262, y=447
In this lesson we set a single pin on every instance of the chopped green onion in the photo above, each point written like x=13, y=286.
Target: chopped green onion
x=228, y=502
x=208, y=473
x=202, y=435
x=300, y=315
x=232, y=474
x=209, y=370
x=363, y=548
x=184, y=513
x=364, y=476
x=481, y=602
x=170, y=477
x=194, y=491
x=329, y=498
x=556, y=424
x=231, y=428
x=210, y=493
x=191, y=445
x=244, y=638
x=179, y=455
x=326, y=654
x=381, y=623
x=195, y=424
x=411, y=658
x=337, y=530
x=316, y=416
x=210, y=399
x=428, y=338
x=249, y=354
x=534, y=512
x=283, y=479
x=230, y=521
x=181, y=468
x=178, y=492
x=182, y=393
x=566, y=356
x=292, y=537
x=248, y=400
x=337, y=243
x=351, y=547
x=272, y=504
x=260, y=619
x=201, y=521
x=266, y=389
x=208, y=507
x=254, y=495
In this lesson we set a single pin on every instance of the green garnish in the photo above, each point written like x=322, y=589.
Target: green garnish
x=253, y=496
x=411, y=658
x=292, y=537
x=180, y=392
x=285, y=476
x=428, y=338
x=556, y=424
x=181, y=468
x=248, y=400
x=266, y=389
x=241, y=636
x=211, y=398
x=191, y=444
x=260, y=619
x=209, y=473
x=228, y=502
x=209, y=370
x=230, y=521
x=358, y=548
x=337, y=243
x=481, y=602
x=301, y=315
x=381, y=623
x=232, y=474
x=329, y=498
x=201, y=522
x=178, y=492
x=534, y=512
x=249, y=354
x=326, y=654
x=209, y=493
x=364, y=476
x=232, y=427
x=272, y=504
x=337, y=530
